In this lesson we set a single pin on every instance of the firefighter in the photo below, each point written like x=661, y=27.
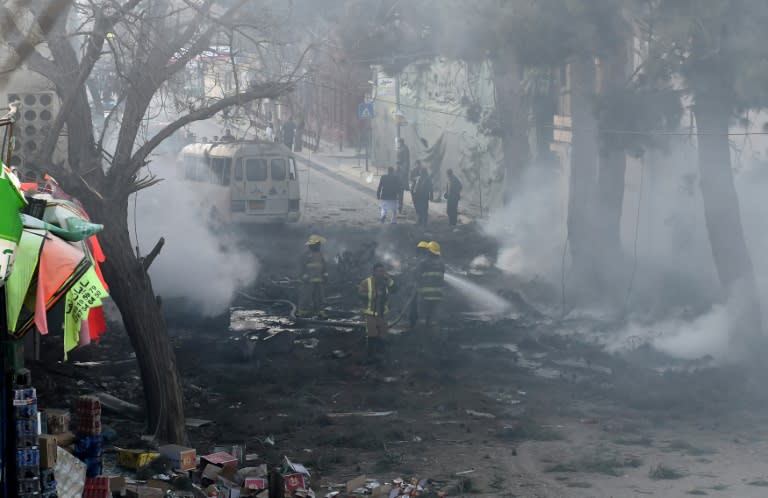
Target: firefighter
x=375, y=291
x=430, y=276
x=413, y=311
x=314, y=276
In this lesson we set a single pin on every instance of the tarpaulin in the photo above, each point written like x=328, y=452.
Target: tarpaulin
x=11, y=200
x=17, y=286
x=61, y=265
x=87, y=293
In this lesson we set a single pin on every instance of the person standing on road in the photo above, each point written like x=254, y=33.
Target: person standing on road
x=452, y=195
x=375, y=291
x=389, y=194
x=430, y=278
x=421, y=193
x=269, y=133
x=314, y=276
x=289, y=130
x=403, y=167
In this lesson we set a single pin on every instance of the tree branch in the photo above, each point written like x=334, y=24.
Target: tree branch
x=147, y=261
x=253, y=93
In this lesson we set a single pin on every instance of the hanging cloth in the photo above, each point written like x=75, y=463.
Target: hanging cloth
x=87, y=293
x=17, y=286
x=11, y=201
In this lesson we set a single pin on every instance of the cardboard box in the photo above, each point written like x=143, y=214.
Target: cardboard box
x=256, y=483
x=64, y=439
x=48, y=451
x=220, y=459
x=294, y=482
x=181, y=457
x=145, y=492
x=134, y=459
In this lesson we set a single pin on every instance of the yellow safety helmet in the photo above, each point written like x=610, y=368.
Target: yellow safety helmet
x=313, y=240
x=422, y=245
x=434, y=248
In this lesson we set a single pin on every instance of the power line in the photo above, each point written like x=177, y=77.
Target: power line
x=604, y=131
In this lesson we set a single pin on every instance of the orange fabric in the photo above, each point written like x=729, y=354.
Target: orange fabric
x=58, y=260
x=97, y=325
x=29, y=187
x=98, y=257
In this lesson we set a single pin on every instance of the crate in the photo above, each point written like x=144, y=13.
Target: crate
x=31, y=485
x=181, y=457
x=93, y=467
x=27, y=427
x=89, y=427
x=26, y=411
x=135, y=459
x=57, y=421
x=28, y=457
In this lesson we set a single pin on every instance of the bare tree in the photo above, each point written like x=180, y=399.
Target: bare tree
x=148, y=45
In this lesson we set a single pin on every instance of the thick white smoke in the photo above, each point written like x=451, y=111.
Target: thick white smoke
x=203, y=267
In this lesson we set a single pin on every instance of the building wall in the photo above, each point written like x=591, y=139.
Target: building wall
x=434, y=96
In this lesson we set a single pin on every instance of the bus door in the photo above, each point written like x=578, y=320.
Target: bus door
x=294, y=194
x=257, y=185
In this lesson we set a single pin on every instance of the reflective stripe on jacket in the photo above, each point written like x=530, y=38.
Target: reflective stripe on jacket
x=430, y=275
x=313, y=268
x=368, y=288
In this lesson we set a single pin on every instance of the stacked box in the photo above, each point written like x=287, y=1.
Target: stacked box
x=90, y=442
x=27, y=434
x=96, y=487
x=47, y=480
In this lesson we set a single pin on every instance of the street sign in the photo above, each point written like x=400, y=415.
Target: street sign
x=365, y=110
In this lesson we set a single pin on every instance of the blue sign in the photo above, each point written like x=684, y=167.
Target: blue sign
x=365, y=110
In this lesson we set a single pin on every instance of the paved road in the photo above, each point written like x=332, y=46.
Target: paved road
x=331, y=198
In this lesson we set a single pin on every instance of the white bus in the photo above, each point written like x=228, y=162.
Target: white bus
x=243, y=182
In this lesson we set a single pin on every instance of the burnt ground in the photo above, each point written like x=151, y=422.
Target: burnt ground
x=508, y=407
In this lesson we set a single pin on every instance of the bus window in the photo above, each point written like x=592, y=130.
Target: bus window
x=256, y=170
x=278, y=170
x=220, y=170
x=239, y=170
x=291, y=169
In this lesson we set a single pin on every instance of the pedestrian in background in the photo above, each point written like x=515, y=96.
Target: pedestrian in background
x=421, y=193
x=289, y=131
x=389, y=193
x=403, y=168
x=452, y=195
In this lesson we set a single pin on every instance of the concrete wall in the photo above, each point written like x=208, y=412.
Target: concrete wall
x=432, y=95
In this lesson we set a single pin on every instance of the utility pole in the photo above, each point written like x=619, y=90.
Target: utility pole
x=397, y=109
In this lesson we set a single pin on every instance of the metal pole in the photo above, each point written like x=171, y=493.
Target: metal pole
x=397, y=108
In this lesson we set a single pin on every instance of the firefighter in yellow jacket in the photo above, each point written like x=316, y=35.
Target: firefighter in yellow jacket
x=314, y=276
x=430, y=275
x=375, y=291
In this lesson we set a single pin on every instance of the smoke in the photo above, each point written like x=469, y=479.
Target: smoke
x=531, y=228
x=200, y=266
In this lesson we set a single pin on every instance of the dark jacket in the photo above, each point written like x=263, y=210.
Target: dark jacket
x=390, y=188
x=453, y=189
x=422, y=186
x=430, y=276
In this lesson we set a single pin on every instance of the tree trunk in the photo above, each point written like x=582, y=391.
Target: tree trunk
x=131, y=289
x=723, y=217
x=611, y=180
x=513, y=122
x=583, y=175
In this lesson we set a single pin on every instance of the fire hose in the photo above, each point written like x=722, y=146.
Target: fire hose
x=331, y=323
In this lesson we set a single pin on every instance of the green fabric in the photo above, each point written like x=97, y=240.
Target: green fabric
x=11, y=200
x=87, y=293
x=24, y=267
x=77, y=229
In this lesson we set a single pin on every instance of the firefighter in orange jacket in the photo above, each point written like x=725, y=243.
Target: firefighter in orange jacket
x=375, y=291
x=314, y=276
